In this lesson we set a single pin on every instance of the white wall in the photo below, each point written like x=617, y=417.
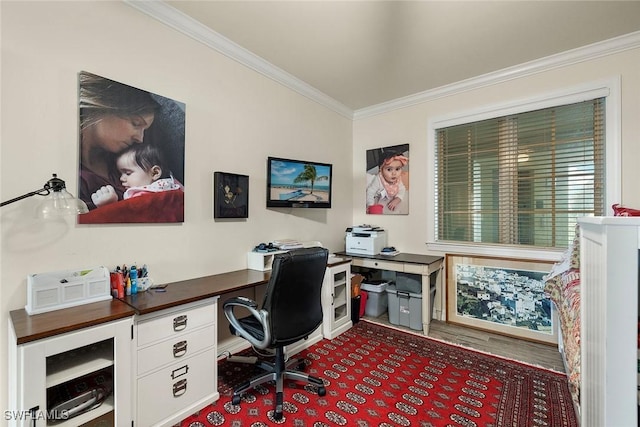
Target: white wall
x=235, y=119
x=409, y=125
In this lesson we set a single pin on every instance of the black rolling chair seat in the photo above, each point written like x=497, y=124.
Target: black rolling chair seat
x=291, y=311
x=251, y=325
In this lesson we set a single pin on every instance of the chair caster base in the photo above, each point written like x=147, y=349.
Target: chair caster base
x=322, y=391
x=235, y=400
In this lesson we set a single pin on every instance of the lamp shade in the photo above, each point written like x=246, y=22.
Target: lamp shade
x=60, y=203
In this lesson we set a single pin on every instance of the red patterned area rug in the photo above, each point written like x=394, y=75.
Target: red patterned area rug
x=379, y=376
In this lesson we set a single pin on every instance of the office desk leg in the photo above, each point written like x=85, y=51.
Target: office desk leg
x=440, y=301
x=426, y=302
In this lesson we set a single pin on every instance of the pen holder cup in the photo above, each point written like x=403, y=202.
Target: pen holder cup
x=144, y=283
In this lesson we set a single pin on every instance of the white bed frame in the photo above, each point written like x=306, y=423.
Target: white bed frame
x=609, y=318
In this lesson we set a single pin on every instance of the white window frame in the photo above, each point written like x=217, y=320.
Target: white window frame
x=608, y=88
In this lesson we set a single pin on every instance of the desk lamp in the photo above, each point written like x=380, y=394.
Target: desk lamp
x=60, y=202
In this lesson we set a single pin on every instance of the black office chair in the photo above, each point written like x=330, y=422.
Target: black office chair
x=291, y=311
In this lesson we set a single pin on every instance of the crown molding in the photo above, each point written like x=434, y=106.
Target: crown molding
x=179, y=21
x=563, y=59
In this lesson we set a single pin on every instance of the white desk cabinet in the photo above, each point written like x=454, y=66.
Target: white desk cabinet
x=175, y=362
x=51, y=366
x=336, y=299
x=161, y=348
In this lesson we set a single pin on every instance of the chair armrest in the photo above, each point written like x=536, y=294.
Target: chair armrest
x=260, y=315
x=241, y=301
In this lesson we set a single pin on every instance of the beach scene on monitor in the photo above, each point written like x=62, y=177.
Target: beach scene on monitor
x=304, y=182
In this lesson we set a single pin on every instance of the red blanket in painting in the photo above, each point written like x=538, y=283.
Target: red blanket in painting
x=166, y=206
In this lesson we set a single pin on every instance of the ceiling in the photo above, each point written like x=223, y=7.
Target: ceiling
x=363, y=53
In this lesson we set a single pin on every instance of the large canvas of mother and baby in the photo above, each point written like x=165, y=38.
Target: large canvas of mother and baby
x=131, y=154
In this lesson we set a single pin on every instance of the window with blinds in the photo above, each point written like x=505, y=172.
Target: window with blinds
x=521, y=179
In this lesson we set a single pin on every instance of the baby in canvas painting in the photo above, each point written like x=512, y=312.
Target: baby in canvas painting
x=386, y=191
x=141, y=172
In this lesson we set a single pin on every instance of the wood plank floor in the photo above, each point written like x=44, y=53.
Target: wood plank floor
x=537, y=354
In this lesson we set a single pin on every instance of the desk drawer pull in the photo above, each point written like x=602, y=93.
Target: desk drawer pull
x=180, y=349
x=180, y=322
x=180, y=388
x=178, y=372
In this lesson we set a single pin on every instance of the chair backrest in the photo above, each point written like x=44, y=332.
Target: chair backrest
x=293, y=297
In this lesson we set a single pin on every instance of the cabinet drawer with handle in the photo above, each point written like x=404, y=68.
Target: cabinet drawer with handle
x=380, y=265
x=168, y=324
x=175, y=348
x=175, y=387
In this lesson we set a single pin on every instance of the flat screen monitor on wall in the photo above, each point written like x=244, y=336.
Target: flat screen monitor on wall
x=298, y=184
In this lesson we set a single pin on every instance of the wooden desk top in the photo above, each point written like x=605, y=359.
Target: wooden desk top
x=401, y=257
x=186, y=291
x=31, y=328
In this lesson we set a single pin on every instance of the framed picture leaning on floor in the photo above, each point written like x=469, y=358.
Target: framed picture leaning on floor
x=501, y=295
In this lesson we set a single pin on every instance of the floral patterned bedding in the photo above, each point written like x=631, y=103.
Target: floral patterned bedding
x=563, y=287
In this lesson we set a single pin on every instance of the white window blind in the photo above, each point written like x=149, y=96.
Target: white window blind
x=521, y=179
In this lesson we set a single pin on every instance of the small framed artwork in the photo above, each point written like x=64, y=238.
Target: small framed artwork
x=230, y=195
x=501, y=295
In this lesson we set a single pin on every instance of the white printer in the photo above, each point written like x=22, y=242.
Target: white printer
x=365, y=240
